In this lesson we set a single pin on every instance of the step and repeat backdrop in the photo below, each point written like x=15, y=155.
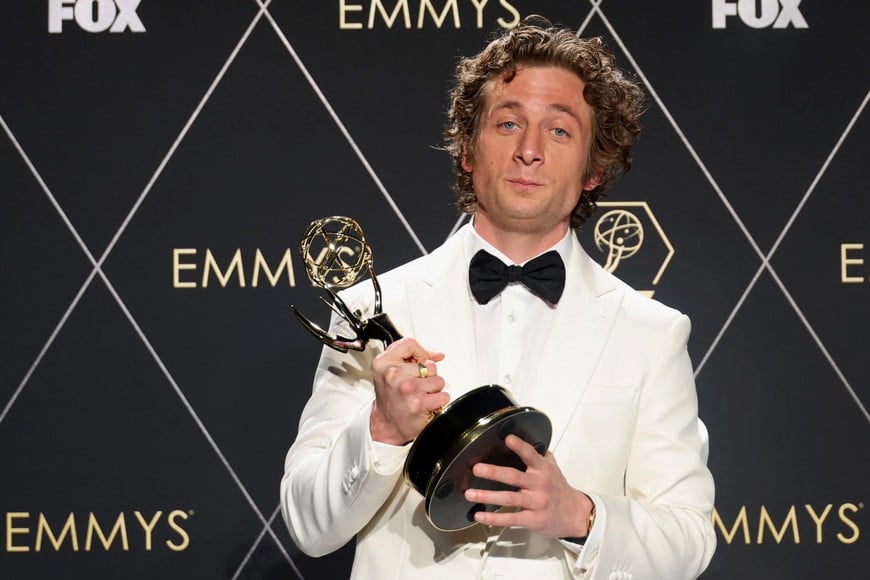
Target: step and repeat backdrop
x=159, y=161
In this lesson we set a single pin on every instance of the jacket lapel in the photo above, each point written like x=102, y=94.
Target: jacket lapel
x=441, y=314
x=584, y=320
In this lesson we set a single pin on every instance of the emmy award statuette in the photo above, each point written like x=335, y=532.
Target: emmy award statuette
x=470, y=429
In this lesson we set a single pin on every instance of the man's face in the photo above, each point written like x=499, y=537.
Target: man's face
x=531, y=152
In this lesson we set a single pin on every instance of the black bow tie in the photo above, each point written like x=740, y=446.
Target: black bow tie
x=544, y=276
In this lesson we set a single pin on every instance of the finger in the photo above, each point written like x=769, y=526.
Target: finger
x=416, y=370
x=499, y=473
x=502, y=519
x=409, y=350
x=525, y=450
x=423, y=376
x=426, y=369
x=490, y=497
x=431, y=356
x=408, y=382
x=435, y=356
x=423, y=369
x=431, y=386
x=436, y=400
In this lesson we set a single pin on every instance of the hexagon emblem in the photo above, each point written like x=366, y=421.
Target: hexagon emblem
x=630, y=239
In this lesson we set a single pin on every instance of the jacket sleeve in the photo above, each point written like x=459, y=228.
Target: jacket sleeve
x=333, y=484
x=661, y=527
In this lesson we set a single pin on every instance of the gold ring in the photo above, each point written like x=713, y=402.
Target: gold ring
x=423, y=369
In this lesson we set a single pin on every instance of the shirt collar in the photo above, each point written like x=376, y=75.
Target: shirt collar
x=473, y=242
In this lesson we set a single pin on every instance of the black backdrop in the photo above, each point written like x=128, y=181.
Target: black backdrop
x=152, y=374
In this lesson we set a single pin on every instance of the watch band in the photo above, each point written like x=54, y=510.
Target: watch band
x=590, y=521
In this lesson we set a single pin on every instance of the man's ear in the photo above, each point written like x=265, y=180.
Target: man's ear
x=467, y=166
x=594, y=179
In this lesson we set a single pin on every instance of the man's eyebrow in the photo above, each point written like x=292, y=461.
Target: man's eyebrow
x=564, y=109
x=512, y=105
x=517, y=105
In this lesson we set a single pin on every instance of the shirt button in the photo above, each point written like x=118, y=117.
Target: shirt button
x=510, y=318
x=507, y=379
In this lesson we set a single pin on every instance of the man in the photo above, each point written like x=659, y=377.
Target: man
x=540, y=124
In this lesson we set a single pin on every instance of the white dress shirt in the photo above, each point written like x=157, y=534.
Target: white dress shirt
x=512, y=327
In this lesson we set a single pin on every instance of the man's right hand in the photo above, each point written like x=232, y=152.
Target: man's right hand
x=404, y=400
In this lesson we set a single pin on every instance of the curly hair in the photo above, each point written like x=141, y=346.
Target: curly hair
x=616, y=102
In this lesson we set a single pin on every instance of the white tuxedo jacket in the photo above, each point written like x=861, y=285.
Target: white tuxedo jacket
x=616, y=382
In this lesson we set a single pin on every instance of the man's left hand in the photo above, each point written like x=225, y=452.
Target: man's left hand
x=544, y=501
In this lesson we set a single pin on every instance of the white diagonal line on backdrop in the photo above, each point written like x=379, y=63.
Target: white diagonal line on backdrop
x=328, y=107
x=588, y=18
x=682, y=136
x=821, y=346
x=97, y=270
x=458, y=223
x=197, y=420
x=788, y=296
x=350, y=140
x=782, y=234
x=651, y=89
x=78, y=295
x=819, y=175
x=256, y=543
x=765, y=264
x=182, y=134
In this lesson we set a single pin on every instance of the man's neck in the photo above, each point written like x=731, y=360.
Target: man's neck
x=517, y=245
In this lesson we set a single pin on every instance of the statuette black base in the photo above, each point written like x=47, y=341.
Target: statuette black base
x=469, y=430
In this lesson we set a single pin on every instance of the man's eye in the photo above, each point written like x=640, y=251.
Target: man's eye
x=559, y=132
x=509, y=125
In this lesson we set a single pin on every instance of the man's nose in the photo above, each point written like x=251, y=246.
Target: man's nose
x=530, y=147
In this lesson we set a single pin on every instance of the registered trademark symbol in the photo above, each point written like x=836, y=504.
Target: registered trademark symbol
x=190, y=512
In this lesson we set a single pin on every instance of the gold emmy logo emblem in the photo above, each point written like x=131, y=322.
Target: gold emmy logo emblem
x=619, y=234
